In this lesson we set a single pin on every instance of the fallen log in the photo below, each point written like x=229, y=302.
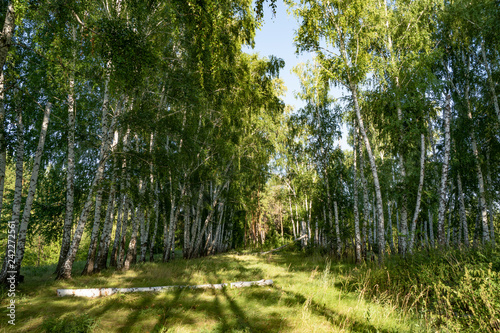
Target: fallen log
x=279, y=248
x=96, y=292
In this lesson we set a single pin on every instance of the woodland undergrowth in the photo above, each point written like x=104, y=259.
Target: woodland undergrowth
x=455, y=290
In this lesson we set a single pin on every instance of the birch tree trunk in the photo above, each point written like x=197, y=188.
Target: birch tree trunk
x=70, y=173
x=337, y=229
x=89, y=265
x=431, y=228
x=18, y=187
x=217, y=192
x=444, y=173
x=291, y=218
x=494, y=97
x=23, y=227
x=482, y=196
x=364, y=184
x=357, y=236
x=329, y=206
x=156, y=209
x=144, y=238
x=125, y=225
x=145, y=231
x=102, y=255
x=490, y=199
x=463, y=219
x=3, y=145
x=133, y=240
x=391, y=236
x=378, y=193
x=116, y=241
x=419, y=192
x=7, y=33
x=352, y=86
x=122, y=210
x=5, y=43
x=65, y=271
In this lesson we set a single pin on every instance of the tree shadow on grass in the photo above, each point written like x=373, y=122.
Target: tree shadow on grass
x=333, y=317
x=130, y=312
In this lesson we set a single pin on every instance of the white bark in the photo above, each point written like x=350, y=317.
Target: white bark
x=18, y=187
x=419, y=192
x=444, y=173
x=23, y=227
x=70, y=173
x=329, y=206
x=156, y=209
x=463, y=220
x=366, y=214
x=16, y=205
x=5, y=43
x=391, y=236
x=102, y=255
x=133, y=239
x=7, y=33
x=65, y=271
x=337, y=229
x=3, y=146
x=431, y=228
x=482, y=196
x=291, y=218
x=89, y=265
x=490, y=199
x=357, y=235
x=122, y=210
x=494, y=97
x=352, y=86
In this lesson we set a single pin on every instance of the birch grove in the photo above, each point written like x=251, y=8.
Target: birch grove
x=168, y=135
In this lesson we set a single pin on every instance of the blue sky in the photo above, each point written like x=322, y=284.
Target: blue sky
x=276, y=38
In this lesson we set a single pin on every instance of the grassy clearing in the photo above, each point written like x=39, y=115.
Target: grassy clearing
x=310, y=294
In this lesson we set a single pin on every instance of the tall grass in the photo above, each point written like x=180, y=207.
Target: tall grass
x=452, y=291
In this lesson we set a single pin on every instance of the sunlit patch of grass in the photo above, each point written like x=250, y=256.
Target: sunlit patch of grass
x=308, y=295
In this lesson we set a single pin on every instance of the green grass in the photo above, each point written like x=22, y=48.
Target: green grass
x=456, y=290
x=310, y=294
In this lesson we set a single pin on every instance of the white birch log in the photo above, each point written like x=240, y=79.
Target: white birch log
x=96, y=292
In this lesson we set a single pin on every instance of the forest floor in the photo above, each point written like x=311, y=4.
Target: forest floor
x=310, y=294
